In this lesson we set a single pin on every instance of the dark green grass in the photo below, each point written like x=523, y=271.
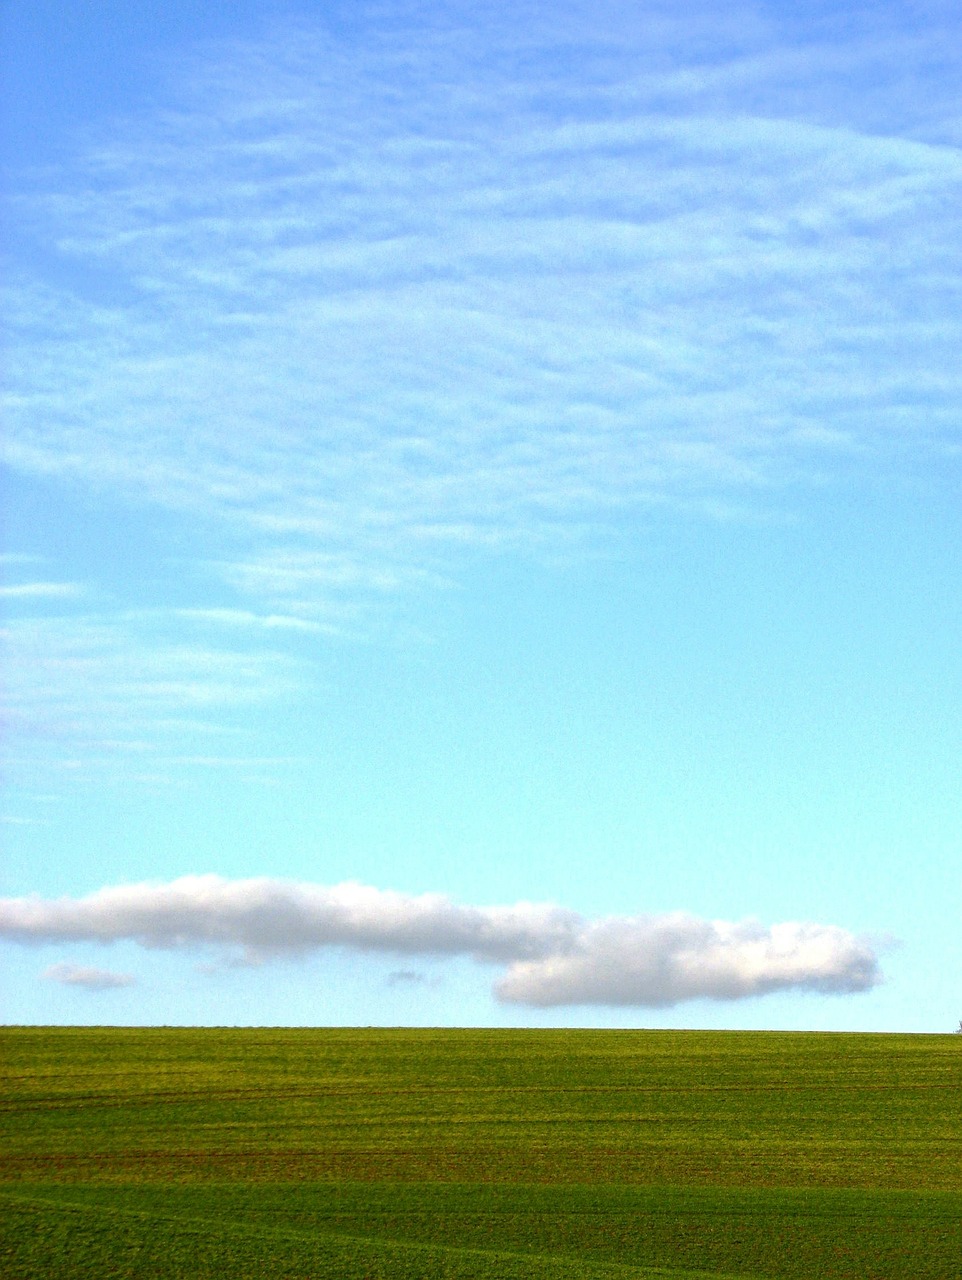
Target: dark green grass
x=480, y=1154
x=401, y=1229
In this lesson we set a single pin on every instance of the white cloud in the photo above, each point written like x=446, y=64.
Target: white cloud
x=268, y=917
x=79, y=975
x=662, y=960
x=554, y=956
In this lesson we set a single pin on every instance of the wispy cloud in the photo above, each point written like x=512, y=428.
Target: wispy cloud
x=40, y=591
x=243, y=619
x=553, y=956
x=103, y=681
x=372, y=318
x=410, y=978
x=361, y=306
x=90, y=653
x=80, y=975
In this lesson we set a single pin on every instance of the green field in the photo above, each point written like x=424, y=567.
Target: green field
x=491, y=1154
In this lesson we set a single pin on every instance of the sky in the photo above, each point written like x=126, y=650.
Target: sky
x=482, y=525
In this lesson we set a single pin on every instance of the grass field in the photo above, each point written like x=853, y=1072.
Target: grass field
x=488, y=1154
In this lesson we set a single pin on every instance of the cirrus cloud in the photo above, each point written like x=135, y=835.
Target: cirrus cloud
x=554, y=956
x=349, y=308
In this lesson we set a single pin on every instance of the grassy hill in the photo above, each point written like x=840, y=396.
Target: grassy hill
x=468, y=1153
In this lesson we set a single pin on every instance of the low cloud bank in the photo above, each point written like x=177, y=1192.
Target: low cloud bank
x=275, y=917
x=81, y=975
x=663, y=960
x=553, y=956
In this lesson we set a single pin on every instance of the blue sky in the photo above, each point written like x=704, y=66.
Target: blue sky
x=483, y=514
